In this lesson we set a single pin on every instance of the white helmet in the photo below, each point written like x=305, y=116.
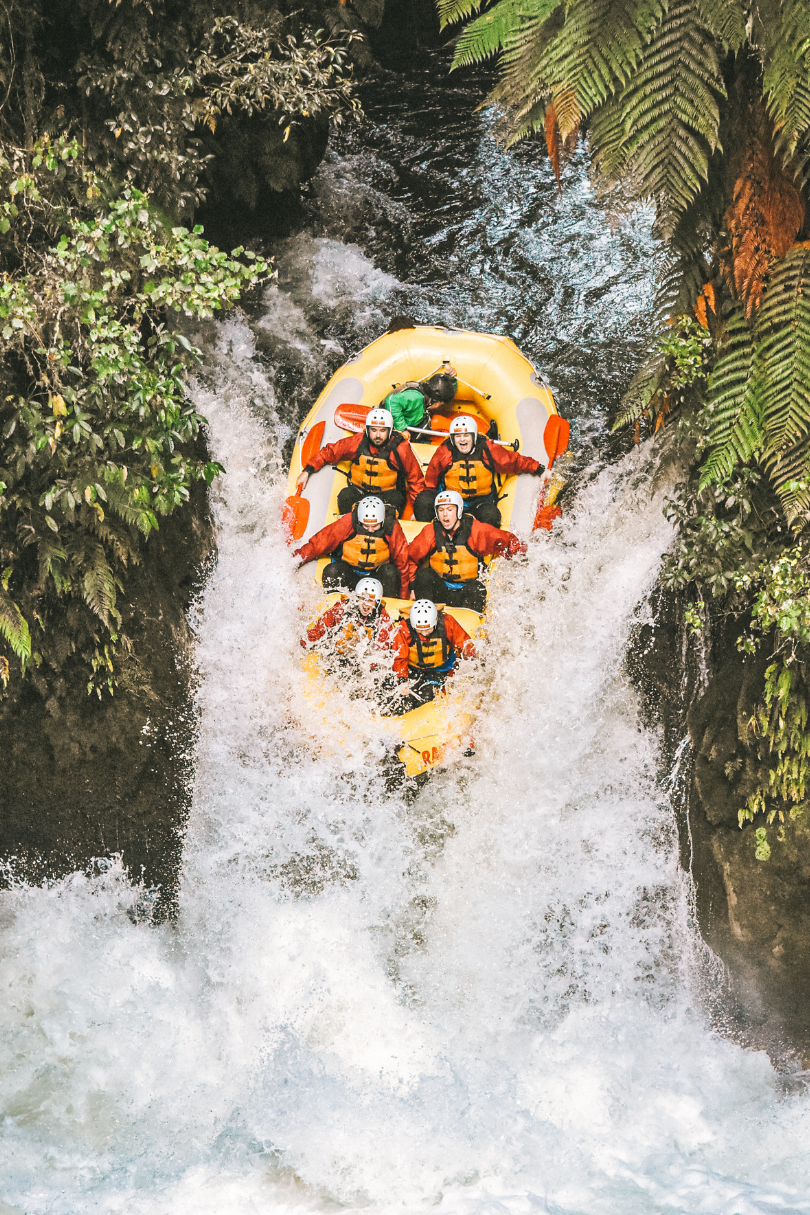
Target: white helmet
x=371, y=510
x=369, y=588
x=464, y=425
x=424, y=614
x=449, y=497
x=380, y=417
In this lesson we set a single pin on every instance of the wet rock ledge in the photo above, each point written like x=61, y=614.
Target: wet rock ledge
x=85, y=778
x=754, y=914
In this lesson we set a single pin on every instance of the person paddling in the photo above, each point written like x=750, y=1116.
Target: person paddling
x=474, y=467
x=366, y=540
x=452, y=548
x=381, y=462
x=427, y=647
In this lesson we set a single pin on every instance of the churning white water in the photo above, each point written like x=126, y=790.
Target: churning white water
x=484, y=998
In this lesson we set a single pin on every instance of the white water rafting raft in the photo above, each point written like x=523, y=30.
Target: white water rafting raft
x=495, y=383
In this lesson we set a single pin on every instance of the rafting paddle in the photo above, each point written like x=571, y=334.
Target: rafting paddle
x=351, y=417
x=295, y=516
x=555, y=437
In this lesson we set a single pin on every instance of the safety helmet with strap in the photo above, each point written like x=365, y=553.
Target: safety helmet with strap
x=369, y=588
x=371, y=510
x=449, y=497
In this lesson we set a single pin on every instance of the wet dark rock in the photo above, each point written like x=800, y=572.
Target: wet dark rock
x=754, y=914
x=85, y=778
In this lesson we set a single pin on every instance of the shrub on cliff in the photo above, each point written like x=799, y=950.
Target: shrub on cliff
x=95, y=427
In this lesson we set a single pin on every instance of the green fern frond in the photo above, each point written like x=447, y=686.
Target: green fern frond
x=14, y=627
x=671, y=112
x=121, y=502
x=509, y=25
x=451, y=11
x=486, y=35
x=100, y=585
x=599, y=46
x=784, y=353
x=734, y=404
x=726, y=20
x=643, y=387
x=783, y=32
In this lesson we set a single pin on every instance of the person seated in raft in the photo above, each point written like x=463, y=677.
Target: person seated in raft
x=473, y=466
x=382, y=463
x=452, y=547
x=427, y=647
x=356, y=626
x=366, y=540
x=412, y=403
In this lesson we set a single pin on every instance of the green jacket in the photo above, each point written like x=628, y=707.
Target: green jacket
x=407, y=408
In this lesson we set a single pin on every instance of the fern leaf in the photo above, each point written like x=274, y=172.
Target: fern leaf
x=784, y=35
x=99, y=584
x=671, y=112
x=14, y=627
x=451, y=11
x=122, y=503
x=599, y=46
x=506, y=24
x=784, y=352
x=726, y=20
x=642, y=389
x=734, y=403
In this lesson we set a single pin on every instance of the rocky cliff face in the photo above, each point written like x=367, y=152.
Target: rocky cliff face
x=83, y=777
x=754, y=913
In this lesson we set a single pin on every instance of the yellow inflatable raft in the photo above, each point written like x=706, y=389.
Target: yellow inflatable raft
x=495, y=382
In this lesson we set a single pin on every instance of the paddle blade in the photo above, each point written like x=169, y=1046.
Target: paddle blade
x=312, y=443
x=295, y=517
x=545, y=517
x=555, y=437
x=351, y=417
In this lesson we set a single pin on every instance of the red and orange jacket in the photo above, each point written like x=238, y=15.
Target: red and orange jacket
x=457, y=637
x=503, y=461
x=400, y=458
x=481, y=539
x=381, y=623
x=334, y=535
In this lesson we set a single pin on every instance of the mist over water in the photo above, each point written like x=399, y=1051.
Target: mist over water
x=488, y=997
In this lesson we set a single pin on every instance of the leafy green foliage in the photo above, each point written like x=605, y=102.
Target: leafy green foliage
x=674, y=371
x=95, y=429
x=734, y=405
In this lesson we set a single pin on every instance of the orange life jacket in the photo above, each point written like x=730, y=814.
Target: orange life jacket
x=472, y=475
x=366, y=550
x=453, y=560
x=428, y=653
x=377, y=474
x=348, y=632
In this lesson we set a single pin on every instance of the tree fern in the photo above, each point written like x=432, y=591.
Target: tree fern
x=510, y=23
x=784, y=352
x=734, y=405
x=14, y=627
x=671, y=112
x=783, y=32
x=726, y=20
x=451, y=11
x=99, y=583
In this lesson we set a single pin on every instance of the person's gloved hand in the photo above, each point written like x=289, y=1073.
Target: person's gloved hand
x=539, y=471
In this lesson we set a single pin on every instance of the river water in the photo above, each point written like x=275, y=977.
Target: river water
x=488, y=998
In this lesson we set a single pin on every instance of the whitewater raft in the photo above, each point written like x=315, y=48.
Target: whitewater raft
x=495, y=383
